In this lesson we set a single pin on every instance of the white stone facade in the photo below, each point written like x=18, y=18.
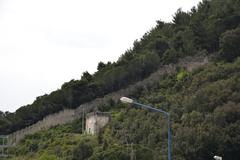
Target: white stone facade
x=95, y=121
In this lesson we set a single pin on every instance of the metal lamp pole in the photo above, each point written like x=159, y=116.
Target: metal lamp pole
x=128, y=100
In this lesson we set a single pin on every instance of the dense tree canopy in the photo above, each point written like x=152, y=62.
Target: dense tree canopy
x=211, y=28
x=204, y=104
x=229, y=44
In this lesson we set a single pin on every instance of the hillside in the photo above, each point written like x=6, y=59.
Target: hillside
x=68, y=115
x=204, y=103
x=211, y=27
x=205, y=113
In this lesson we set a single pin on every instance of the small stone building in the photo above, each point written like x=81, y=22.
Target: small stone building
x=95, y=121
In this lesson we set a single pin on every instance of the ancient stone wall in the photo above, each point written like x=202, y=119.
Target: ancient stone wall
x=62, y=117
x=68, y=115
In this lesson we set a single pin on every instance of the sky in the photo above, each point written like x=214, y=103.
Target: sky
x=44, y=43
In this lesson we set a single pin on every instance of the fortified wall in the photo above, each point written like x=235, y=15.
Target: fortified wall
x=62, y=117
x=68, y=115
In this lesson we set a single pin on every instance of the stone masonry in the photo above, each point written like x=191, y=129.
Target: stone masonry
x=95, y=121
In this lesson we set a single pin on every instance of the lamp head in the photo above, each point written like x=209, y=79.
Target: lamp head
x=217, y=158
x=126, y=100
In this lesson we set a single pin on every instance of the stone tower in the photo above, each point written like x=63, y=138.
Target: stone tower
x=95, y=121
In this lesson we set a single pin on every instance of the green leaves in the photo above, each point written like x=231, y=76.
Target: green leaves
x=204, y=104
x=230, y=44
x=182, y=75
x=82, y=152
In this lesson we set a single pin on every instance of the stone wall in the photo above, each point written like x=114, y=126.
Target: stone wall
x=68, y=115
x=62, y=117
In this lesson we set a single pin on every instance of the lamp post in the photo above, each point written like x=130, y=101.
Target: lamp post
x=128, y=100
x=217, y=158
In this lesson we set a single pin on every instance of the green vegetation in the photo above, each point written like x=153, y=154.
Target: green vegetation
x=205, y=115
x=211, y=28
x=204, y=104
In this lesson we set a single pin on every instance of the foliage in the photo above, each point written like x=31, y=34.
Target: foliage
x=229, y=44
x=211, y=27
x=182, y=75
x=203, y=104
x=205, y=117
x=82, y=152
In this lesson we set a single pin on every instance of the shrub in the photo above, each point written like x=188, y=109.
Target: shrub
x=230, y=44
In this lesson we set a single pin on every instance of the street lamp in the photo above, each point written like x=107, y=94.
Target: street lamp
x=128, y=100
x=217, y=158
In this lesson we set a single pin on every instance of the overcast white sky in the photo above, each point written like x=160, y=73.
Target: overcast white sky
x=44, y=43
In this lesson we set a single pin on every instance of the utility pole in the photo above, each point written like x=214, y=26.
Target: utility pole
x=133, y=156
x=83, y=123
x=3, y=146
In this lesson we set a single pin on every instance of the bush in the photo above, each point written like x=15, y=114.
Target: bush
x=170, y=56
x=46, y=156
x=230, y=44
x=182, y=75
x=82, y=152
